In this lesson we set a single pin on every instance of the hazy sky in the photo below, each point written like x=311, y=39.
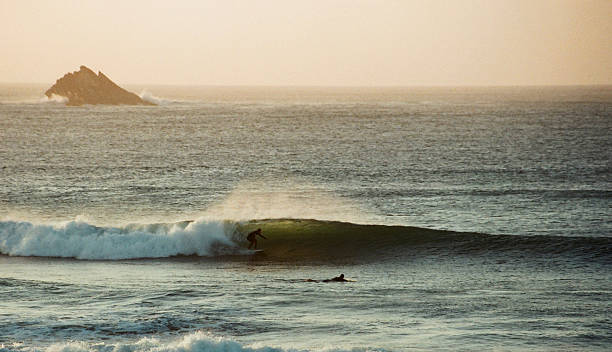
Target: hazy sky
x=310, y=42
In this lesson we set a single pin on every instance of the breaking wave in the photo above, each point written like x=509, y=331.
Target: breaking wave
x=76, y=239
x=194, y=342
x=54, y=99
x=287, y=240
x=148, y=96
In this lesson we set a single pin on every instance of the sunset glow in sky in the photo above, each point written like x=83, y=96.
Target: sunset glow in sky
x=348, y=42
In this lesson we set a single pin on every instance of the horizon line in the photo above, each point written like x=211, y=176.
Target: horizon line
x=341, y=86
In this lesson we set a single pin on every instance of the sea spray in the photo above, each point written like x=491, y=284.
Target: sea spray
x=288, y=197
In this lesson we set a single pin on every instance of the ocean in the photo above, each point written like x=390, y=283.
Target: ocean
x=465, y=218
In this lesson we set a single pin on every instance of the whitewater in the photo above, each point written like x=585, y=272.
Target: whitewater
x=466, y=218
x=84, y=241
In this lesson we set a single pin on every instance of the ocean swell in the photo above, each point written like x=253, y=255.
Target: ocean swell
x=287, y=240
x=292, y=239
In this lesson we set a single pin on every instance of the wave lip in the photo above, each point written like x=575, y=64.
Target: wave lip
x=80, y=240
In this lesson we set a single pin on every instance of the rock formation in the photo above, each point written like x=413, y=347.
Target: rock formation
x=85, y=87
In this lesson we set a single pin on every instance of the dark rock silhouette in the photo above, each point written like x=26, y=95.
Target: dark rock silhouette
x=85, y=87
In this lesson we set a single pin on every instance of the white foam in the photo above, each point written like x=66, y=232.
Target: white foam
x=81, y=240
x=148, y=96
x=194, y=342
x=70, y=347
x=53, y=99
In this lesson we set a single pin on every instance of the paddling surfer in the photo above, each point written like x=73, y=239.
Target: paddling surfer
x=337, y=279
x=334, y=279
x=252, y=238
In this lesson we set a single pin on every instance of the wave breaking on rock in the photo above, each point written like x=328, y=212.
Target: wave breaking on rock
x=86, y=87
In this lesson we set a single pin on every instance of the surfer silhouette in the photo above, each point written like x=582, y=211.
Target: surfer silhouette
x=252, y=238
x=337, y=279
x=334, y=279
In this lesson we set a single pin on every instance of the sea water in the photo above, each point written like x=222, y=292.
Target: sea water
x=468, y=218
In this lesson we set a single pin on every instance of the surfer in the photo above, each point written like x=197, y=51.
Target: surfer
x=252, y=237
x=337, y=279
x=334, y=279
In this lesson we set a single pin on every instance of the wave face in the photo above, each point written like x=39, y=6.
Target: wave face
x=287, y=240
x=329, y=241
